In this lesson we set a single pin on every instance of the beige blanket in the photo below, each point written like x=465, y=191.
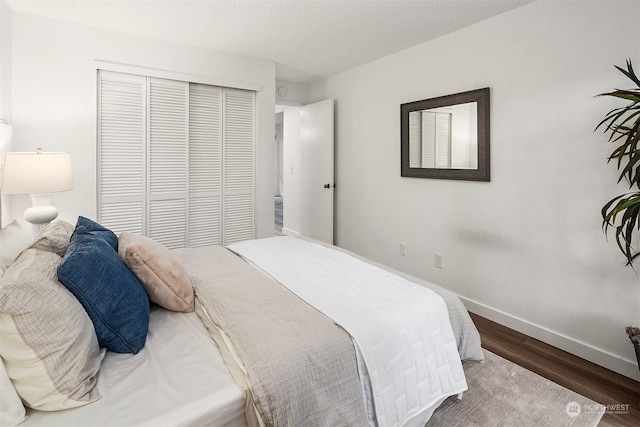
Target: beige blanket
x=300, y=365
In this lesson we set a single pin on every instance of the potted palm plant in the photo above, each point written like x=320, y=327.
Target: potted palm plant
x=622, y=213
x=634, y=336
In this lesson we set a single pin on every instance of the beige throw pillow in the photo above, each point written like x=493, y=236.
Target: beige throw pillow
x=162, y=276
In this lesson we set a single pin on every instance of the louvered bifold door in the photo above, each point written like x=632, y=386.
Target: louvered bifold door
x=443, y=140
x=428, y=139
x=238, y=164
x=415, y=139
x=121, y=151
x=168, y=155
x=205, y=165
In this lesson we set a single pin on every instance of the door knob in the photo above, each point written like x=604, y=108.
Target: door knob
x=327, y=186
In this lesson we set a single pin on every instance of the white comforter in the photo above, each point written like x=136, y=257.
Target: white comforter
x=401, y=329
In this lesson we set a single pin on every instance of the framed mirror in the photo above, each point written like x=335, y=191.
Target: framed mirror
x=446, y=137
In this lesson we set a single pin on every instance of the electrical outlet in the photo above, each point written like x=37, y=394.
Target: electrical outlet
x=438, y=260
x=403, y=249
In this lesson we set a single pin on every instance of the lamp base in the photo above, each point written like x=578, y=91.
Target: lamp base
x=41, y=211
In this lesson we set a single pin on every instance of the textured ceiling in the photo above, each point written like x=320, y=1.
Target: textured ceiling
x=308, y=39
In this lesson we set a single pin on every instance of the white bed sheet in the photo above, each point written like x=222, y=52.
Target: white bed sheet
x=177, y=379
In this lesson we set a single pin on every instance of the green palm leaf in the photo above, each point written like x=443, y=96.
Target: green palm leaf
x=622, y=213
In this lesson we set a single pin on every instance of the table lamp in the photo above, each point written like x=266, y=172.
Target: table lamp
x=37, y=174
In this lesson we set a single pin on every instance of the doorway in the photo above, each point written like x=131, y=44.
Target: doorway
x=287, y=185
x=278, y=197
x=303, y=195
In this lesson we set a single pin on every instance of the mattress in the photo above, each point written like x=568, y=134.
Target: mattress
x=177, y=379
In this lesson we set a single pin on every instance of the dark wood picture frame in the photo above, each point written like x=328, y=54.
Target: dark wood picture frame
x=483, y=172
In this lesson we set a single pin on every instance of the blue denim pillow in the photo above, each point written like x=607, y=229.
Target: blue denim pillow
x=86, y=226
x=112, y=296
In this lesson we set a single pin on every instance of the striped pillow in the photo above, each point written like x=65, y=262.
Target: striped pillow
x=47, y=340
x=54, y=237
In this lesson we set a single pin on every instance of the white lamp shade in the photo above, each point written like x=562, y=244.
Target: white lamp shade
x=37, y=173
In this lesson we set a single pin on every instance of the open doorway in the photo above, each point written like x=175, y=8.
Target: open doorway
x=278, y=197
x=287, y=186
x=303, y=191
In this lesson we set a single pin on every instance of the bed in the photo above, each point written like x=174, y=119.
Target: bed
x=277, y=331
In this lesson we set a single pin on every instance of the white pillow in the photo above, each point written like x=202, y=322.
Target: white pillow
x=14, y=238
x=12, y=411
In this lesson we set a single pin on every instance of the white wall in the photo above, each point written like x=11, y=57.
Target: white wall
x=5, y=100
x=464, y=135
x=5, y=62
x=527, y=248
x=291, y=93
x=54, y=98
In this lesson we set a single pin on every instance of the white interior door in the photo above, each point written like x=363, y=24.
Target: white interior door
x=316, y=171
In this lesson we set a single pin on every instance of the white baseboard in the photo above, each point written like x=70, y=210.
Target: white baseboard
x=289, y=232
x=625, y=367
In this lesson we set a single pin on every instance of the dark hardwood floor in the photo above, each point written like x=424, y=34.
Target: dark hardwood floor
x=583, y=377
